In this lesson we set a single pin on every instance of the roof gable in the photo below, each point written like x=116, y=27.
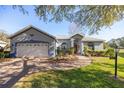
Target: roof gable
x=77, y=35
x=27, y=29
x=68, y=36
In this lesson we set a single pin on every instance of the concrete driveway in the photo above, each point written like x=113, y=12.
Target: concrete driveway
x=11, y=72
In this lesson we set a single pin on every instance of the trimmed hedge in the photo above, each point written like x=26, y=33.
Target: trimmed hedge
x=99, y=53
x=96, y=53
x=104, y=53
x=62, y=52
x=110, y=52
x=71, y=50
x=87, y=51
x=4, y=54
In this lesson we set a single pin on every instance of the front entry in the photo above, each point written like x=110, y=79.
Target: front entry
x=76, y=48
x=76, y=42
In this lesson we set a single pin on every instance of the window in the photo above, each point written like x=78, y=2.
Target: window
x=64, y=45
x=91, y=45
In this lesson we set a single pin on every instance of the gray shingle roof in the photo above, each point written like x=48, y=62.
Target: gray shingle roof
x=90, y=39
x=28, y=27
x=62, y=37
x=57, y=37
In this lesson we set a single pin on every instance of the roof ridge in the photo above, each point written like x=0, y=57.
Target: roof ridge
x=28, y=27
x=19, y=31
x=92, y=39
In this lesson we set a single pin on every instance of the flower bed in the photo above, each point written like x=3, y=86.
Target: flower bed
x=63, y=58
x=5, y=59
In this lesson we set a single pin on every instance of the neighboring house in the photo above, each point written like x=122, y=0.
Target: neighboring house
x=31, y=41
x=2, y=44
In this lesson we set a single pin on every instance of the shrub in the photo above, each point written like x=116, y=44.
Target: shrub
x=99, y=53
x=7, y=55
x=57, y=50
x=87, y=51
x=64, y=58
x=90, y=52
x=4, y=54
x=71, y=51
x=110, y=52
x=60, y=52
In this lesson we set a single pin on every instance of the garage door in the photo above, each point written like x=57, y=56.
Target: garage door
x=32, y=49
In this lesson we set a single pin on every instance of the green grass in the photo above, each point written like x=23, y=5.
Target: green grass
x=100, y=74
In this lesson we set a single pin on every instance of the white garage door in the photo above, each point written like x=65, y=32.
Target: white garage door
x=32, y=49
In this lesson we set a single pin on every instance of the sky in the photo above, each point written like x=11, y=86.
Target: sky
x=12, y=20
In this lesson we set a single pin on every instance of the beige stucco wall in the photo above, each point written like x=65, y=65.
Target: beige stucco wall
x=98, y=46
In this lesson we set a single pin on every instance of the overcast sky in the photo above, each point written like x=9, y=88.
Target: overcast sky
x=12, y=20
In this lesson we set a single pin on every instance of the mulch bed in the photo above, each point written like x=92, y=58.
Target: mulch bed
x=6, y=59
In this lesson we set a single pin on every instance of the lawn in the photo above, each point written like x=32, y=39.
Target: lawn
x=100, y=74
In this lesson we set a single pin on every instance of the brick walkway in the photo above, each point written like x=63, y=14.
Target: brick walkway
x=11, y=72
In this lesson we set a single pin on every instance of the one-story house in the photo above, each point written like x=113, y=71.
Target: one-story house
x=31, y=41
